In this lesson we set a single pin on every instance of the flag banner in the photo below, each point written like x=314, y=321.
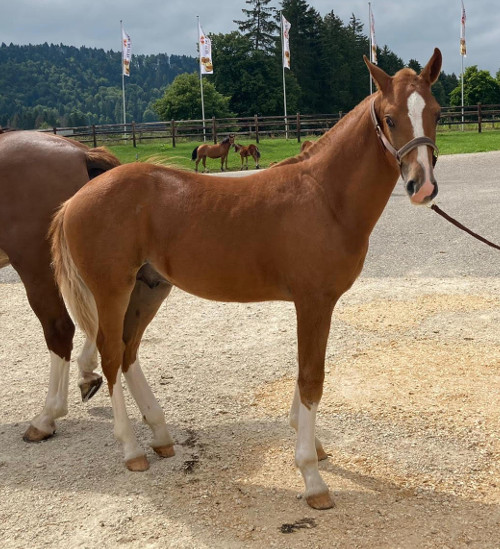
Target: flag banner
x=205, y=45
x=286, y=42
x=126, y=53
x=373, y=51
x=463, y=48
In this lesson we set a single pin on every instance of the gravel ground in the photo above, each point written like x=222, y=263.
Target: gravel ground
x=410, y=413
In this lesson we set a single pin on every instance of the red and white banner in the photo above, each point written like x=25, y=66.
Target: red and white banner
x=286, y=42
x=463, y=47
x=126, y=53
x=373, y=49
x=205, y=45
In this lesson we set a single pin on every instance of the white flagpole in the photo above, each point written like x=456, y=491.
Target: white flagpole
x=201, y=82
x=123, y=76
x=370, y=41
x=283, y=68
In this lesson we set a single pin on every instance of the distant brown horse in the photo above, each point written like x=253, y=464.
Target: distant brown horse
x=38, y=172
x=246, y=151
x=298, y=232
x=220, y=150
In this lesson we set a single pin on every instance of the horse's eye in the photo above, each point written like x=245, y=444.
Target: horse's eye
x=390, y=121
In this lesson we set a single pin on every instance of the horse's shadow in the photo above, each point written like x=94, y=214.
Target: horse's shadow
x=222, y=466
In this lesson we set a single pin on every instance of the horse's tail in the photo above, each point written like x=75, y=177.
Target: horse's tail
x=75, y=292
x=100, y=160
x=194, y=154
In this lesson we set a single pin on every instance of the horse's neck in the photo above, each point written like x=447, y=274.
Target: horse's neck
x=356, y=172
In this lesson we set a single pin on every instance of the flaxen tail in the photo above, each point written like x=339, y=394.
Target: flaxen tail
x=78, y=297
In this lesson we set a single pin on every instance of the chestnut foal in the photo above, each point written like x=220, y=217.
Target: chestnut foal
x=297, y=232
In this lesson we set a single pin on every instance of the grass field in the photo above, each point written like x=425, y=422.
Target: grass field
x=274, y=150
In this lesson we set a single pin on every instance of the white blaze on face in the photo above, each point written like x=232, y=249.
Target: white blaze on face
x=416, y=105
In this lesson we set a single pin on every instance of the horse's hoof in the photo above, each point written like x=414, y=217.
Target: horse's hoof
x=165, y=451
x=137, y=464
x=322, y=455
x=321, y=501
x=33, y=434
x=90, y=388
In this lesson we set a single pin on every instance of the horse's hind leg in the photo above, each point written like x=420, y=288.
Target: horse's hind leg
x=150, y=291
x=44, y=299
x=89, y=382
x=111, y=310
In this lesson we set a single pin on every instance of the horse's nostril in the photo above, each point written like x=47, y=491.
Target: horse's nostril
x=410, y=187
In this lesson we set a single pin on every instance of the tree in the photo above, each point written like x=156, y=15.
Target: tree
x=182, y=100
x=479, y=87
x=259, y=26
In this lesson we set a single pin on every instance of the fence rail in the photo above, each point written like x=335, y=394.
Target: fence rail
x=475, y=117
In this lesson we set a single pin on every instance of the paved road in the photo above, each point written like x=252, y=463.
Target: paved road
x=414, y=241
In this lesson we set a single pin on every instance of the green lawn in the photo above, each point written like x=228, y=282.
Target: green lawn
x=274, y=150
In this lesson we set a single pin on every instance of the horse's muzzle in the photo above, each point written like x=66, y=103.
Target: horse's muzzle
x=421, y=193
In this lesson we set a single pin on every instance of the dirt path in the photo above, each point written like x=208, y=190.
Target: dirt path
x=410, y=415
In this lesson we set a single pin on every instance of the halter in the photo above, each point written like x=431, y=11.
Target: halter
x=405, y=149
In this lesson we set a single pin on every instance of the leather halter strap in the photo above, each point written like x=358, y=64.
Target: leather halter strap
x=405, y=149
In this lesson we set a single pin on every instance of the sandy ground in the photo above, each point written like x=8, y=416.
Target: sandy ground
x=410, y=413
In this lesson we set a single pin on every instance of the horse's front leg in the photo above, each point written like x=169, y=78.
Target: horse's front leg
x=313, y=325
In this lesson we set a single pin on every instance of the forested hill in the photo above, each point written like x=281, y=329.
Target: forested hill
x=56, y=85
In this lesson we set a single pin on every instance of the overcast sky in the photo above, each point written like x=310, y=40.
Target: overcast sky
x=410, y=28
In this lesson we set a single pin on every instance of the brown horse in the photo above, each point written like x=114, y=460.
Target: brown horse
x=298, y=232
x=246, y=151
x=220, y=150
x=37, y=173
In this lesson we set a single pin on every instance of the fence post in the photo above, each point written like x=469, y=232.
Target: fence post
x=133, y=134
x=479, y=118
x=214, y=130
x=298, y=127
x=94, y=137
x=54, y=130
x=256, y=124
x=172, y=124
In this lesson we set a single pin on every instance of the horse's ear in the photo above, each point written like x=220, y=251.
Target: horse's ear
x=380, y=77
x=430, y=73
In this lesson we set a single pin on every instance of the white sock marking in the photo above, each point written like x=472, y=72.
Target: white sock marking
x=56, y=403
x=148, y=405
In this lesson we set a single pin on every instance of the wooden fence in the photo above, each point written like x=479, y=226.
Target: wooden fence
x=474, y=118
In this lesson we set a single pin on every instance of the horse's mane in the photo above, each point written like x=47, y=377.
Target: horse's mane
x=324, y=140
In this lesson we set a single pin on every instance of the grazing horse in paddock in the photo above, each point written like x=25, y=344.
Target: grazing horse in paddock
x=298, y=232
x=220, y=150
x=246, y=151
x=38, y=172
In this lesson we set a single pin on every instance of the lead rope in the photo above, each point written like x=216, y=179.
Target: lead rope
x=439, y=211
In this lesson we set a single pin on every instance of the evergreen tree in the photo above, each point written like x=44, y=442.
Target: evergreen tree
x=259, y=26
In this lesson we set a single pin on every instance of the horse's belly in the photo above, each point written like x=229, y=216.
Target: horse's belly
x=4, y=259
